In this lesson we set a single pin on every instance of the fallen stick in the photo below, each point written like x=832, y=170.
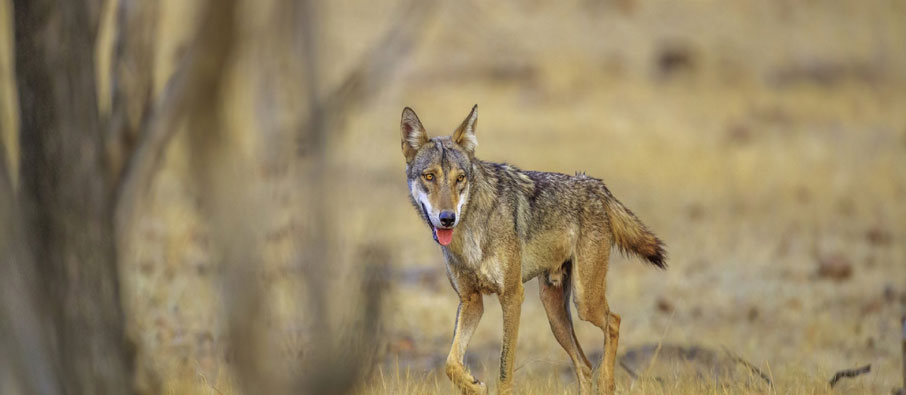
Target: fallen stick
x=632, y=373
x=752, y=368
x=849, y=373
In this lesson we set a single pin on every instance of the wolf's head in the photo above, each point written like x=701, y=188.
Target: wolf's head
x=439, y=171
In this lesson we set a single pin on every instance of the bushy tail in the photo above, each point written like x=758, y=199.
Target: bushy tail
x=631, y=235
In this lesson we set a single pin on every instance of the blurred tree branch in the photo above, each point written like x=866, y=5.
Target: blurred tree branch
x=342, y=358
x=130, y=80
x=142, y=150
x=83, y=177
x=373, y=72
x=76, y=194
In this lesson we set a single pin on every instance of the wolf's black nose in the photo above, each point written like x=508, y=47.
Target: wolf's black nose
x=447, y=218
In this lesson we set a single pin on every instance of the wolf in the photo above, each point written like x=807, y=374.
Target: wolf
x=499, y=227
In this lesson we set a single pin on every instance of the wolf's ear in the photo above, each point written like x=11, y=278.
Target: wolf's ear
x=465, y=133
x=413, y=134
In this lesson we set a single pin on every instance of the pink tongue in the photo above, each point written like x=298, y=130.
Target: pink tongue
x=444, y=236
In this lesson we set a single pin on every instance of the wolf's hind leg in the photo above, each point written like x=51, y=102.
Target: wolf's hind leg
x=609, y=323
x=612, y=339
x=471, y=308
x=590, y=283
x=555, y=297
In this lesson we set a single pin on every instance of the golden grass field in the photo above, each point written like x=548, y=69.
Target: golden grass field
x=759, y=140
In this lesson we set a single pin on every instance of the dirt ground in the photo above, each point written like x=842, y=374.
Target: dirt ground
x=764, y=142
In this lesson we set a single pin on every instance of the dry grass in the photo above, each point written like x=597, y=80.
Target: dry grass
x=400, y=379
x=780, y=144
x=751, y=180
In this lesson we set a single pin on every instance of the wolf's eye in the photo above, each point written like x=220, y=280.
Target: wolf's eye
x=429, y=177
x=461, y=178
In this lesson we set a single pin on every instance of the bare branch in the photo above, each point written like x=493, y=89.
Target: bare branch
x=131, y=80
x=377, y=67
x=190, y=81
x=374, y=71
x=159, y=129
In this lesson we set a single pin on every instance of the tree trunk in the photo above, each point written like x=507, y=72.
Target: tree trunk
x=67, y=191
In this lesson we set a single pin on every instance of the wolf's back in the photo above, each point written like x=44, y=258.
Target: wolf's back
x=631, y=235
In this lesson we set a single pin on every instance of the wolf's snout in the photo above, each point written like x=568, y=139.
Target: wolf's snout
x=447, y=218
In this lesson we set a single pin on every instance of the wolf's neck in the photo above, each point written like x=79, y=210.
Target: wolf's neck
x=482, y=192
x=471, y=236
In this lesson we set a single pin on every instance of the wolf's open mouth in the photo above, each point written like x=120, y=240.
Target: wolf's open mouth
x=443, y=236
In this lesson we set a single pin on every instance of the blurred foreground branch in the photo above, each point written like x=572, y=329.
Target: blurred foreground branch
x=339, y=358
x=197, y=75
x=373, y=72
x=84, y=174
x=82, y=177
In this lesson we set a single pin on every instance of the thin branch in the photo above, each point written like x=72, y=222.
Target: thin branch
x=159, y=127
x=145, y=159
x=375, y=69
x=131, y=80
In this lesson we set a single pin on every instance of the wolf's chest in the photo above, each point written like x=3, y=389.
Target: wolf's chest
x=487, y=276
x=468, y=247
x=468, y=259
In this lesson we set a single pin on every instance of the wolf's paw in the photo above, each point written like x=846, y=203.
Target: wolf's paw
x=474, y=388
x=479, y=388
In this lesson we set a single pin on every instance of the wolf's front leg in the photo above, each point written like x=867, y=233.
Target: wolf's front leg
x=511, y=304
x=469, y=313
